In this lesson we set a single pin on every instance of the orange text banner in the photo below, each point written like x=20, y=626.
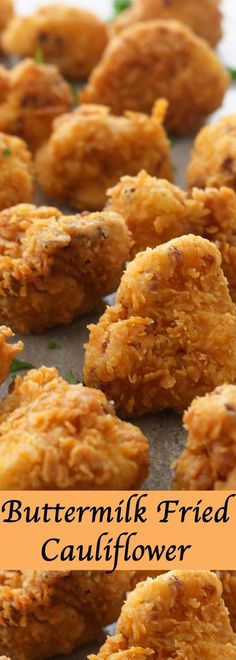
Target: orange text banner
x=117, y=530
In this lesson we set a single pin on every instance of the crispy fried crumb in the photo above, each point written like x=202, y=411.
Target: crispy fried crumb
x=6, y=13
x=90, y=149
x=43, y=614
x=16, y=172
x=7, y=351
x=159, y=59
x=54, y=267
x=160, y=346
x=213, y=161
x=228, y=579
x=180, y=615
x=72, y=38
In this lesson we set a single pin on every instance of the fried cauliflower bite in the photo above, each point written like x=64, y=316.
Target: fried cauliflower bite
x=31, y=96
x=89, y=150
x=72, y=38
x=55, y=267
x=56, y=436
x=213, y=161
x=209, y=460
x=228, y=579
x=203, y=16
x=16, y=172
x=160, y=346
x=180, y=615
x=159, y=59
x=7, y=351
x=6, y=13
x=44, y=614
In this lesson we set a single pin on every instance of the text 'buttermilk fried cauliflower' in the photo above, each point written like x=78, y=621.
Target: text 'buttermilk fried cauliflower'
x=203, y=16
x=6, y=13
x=90, y=149
x=16, y=172
x=56, y=436
x=213, y=161
x=31, y=96
x=72, y=38
x=209, y=460
x=43, y=614
x=55, y=267
x=7, y=351
x=180, y=615
x=159, y=59
x=157, y=211
x=159, y=346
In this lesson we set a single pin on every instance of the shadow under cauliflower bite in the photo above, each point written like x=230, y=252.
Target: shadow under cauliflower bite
x=55, y=267
x=43, y=614
x=159, y=59
x=90, y=149
x=209, y=460
x=72, y=38
x=7, y=351
x=56, y=436
x=180, y=615
x=213, y=161
x=159, y=346
x=157, y=211
x=31, y=96
x=16, y=172
x=203, y=16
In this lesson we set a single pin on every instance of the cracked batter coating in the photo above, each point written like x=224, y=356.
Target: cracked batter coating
x=209, y=460
x=16, y=172
x=32, y=95
x=213, y=160
x=56, y=436
x=160, y=345
x=159, y=59
x=54, y=267
x=90, y=149
x=228, y=580
x=179, y=616
x=7, y=351
x=6, y=13
x=203, y=16
x=72, y=38
x=43, y=614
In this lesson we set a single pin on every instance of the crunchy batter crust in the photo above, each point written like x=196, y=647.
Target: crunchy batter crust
x=228, y=579
x=160, y=346
x=213, y=161
x=159, y=59
x=55, y=267
x=16, y=172
x=6, y=13
x=7, y=351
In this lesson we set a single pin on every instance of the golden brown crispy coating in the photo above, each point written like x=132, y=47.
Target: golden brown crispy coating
x=90, y=149
x=16, y=172
x=209, y=460
x=203, y=16
x=160, y=345
x=32, y=96
x=157, y=211
x=159, y=59
x=43, y=614
x=180, y=615
x=54, y=267
x=7, y=351
x=213, y=161
x=228, y=579
x=6, y=13
x=56, y=436
x=72, y=38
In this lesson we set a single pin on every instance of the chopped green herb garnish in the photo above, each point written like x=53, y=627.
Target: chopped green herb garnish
x=19, y=365
x=7, y=152
x=232, y=73
x=38, y=58
x=52, y=345
x=120, y=5
x=70, y=377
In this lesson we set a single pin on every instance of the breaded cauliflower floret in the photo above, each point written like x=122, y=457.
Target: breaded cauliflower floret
x=228, y=579
x=43, y=614
x=159, y=59
x=31, y=96
x=16, y=172
x=54, y=267
x=72, y=38
x=160, y=345
x=213, y=161
x=157, y=211
x=90, y=149
x=6, y=13
x=7, y=351
x=203, y=16
x=56, y=436
x=209, y=460
x=179, y=616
